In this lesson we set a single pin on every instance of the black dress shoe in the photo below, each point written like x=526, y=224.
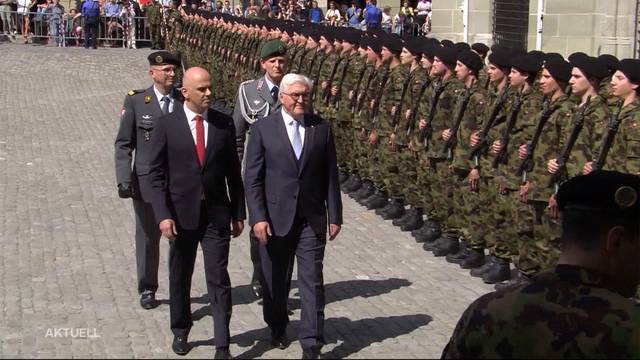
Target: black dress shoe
x=257, y=290
x=222, y=353
x=311, y=352
x=279, y=341
x=148, y=300
x=180, y=345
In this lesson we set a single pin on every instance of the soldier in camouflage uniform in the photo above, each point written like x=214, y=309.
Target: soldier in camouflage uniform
x=580, y=308
x=153, y=14
x=326, y=71
x=625, y=85
x=435, y=117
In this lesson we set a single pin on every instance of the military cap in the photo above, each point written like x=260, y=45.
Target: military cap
x=552, y=56
x=461, y=46
x=500, y=58
x=610, y=61
x=429, y=40
x=559, y=69
x=470, y=60
x=393, y=43
x=352, y=37
x=576, y=55
x=414, y=46
x=527, y=63
x=328, y=35
x=163, y=58
x=631, y=69
x=272, y=48
x=591, y=67
x=480, y=48
x=448, y=56
x=447, y=43
x=374, y=44
x=609, y=192
x=537, y=54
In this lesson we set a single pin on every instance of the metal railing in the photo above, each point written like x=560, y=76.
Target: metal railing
x=68, y=30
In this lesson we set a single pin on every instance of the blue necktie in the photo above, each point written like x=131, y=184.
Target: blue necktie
x=296, y=142
x=274, y=93
x=165, y=105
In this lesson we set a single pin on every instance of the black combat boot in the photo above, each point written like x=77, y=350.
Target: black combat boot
x=414, y=222
x=462, y=254
x=429, y=232
x=499, y=272
x=384, y=209
x=474, y=260
x=365, y=191
x=394, y=210
x=479, y=271
x=449, y=246
x=343, y=175
x=353, y=184
x=439, y=242
x=378, y=200
x=518, y=280
x=404, y=218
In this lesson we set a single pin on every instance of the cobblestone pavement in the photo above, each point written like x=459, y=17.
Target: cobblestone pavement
x=67, y=247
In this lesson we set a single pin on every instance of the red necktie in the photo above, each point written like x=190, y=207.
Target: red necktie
x=199, y=139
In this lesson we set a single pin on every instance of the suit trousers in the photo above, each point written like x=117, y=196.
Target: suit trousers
x=182, y=256
x=147, y=246
x=308, y=248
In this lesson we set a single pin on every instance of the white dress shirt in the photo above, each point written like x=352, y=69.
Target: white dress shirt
x=269, y=84
x=161, y=102
x=289, y=124
x=192, y=124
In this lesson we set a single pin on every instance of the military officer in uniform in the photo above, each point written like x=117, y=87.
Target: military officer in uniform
x=581, y=307
x=257, y=99
x=140, y=111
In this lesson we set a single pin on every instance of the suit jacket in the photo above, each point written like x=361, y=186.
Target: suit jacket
x=254, y=102
x=137, y=124
x=176, y=183
x=279, y=187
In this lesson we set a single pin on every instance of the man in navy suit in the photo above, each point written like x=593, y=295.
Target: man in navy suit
x=293, y=196
x=195, y=188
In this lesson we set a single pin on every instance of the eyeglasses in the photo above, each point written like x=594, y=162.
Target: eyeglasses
x=297, y=96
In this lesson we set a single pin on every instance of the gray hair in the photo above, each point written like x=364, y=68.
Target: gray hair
x=291, y=79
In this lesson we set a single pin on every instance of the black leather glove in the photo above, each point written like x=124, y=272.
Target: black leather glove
x=125, y=190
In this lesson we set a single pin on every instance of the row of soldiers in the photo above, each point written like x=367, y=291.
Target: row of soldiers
x=473, y=140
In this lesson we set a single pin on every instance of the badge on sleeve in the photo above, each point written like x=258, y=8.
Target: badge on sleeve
x=147, y=99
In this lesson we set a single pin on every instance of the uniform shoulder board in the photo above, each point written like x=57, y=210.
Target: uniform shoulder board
x=245, y=83
x=132, y=92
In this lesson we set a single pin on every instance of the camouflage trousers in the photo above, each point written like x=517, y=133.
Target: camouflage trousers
x=502, y=238
x=343, y=140
x=400, y=181
x=452, y=185
x=540, y=249
x=478, y=215
x=425, y=178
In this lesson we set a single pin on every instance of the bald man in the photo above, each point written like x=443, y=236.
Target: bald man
x=195, y=188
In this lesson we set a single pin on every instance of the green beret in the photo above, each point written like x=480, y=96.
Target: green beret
x=273, y=48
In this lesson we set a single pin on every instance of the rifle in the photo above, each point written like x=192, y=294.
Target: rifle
x=359, y=103
x=414, y=109
x=354, y=99
x=396, y=115
x=376, y=101
x=612, y=129
x=326, y=93
x=482, y=144
x=501, y=157
x=425, y=133
x=456, y=125
x=527, y=163
x=577, y=124
x=338, y=95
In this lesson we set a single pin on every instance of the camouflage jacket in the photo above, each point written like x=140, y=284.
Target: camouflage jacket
x=395, y=88
x=374, y=94
x=420, y=81
x=629, y=135
x=566, y=312
x=475, y=108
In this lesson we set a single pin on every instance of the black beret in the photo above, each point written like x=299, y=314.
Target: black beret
x=163, y=58
x=591, y=67
x=429, y=50
x=631, y=69
x=414, y=45
x=273, y=48
x=537, y=54
x=610, y=61
x=447, y=43
x=576, y=55
x=500, y=58
x=553, y=56
x=609, y=192
x=461, y=46
x=393, y=43
x=328, y=35
x=470, y=60
x=448, y=56
x=559, y=69
x=480, y=48
x=374, y=44
x=527, y=63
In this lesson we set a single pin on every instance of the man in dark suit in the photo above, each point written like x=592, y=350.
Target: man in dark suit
x=140, y=113
x=293, y=193
x=196, y=191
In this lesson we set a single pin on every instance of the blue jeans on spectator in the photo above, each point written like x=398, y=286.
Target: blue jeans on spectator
x=90, y=32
